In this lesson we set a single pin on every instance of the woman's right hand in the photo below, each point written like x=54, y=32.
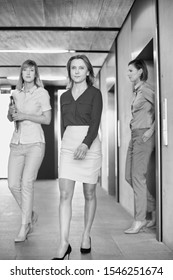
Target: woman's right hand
x=147, y=135
x=80, y=152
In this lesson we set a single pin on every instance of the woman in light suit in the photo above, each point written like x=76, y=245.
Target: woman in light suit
x=31, y=110
x=141, y=144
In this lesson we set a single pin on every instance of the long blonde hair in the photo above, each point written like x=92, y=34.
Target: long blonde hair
x=37, y=81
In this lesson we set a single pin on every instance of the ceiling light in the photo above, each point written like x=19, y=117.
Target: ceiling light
x=37, y=51
x=13, y=77
x=5, y=89
x=110, y=79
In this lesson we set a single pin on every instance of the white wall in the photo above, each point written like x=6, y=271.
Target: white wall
x=124, y=101
x=142, y=25
x=6, y=129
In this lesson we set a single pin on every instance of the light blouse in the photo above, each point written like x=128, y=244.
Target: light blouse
x=142, y=107
x=33, y=102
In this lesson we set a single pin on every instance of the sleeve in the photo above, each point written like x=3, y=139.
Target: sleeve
x=14, y=94
x=148, y=94
x=45, y=101
x=62, y=123
x=95, y=119
x=16, y=97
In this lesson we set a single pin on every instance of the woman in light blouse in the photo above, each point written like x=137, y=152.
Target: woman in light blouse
x=31, y=110
x=141, y=144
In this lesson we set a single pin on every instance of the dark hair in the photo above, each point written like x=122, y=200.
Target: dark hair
x=37, y=81
x=140, y=64
x=90, y=77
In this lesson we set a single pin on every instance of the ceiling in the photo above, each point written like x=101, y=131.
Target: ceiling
x=49, y=26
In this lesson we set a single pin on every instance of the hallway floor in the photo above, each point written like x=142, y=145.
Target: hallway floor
x=108, y=240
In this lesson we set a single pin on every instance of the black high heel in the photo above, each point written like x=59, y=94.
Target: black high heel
x=86, y=250
x=69, y=249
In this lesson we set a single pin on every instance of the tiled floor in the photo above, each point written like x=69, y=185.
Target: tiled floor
x=108, y=240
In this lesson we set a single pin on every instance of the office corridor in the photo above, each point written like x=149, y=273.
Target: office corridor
x=108, y=240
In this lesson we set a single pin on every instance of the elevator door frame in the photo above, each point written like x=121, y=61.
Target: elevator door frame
x=158, y=128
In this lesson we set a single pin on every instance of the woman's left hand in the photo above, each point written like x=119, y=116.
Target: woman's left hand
x=18, y=116
x=147, y=135
x=80, y=152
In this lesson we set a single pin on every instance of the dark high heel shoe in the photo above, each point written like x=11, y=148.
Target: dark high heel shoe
x=69, y=249
x=86, y=250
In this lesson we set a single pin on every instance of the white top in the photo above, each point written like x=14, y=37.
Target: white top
x=33, y=102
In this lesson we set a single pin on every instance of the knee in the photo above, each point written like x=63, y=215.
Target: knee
x=128, y=176
x=27, y=184
x=128, y=180
x=13, y=187
x=90, y=195
x=65, y=195
x=138, y=176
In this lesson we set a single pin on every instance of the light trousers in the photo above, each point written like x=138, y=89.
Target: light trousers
x=23, y=165
x=137, y=160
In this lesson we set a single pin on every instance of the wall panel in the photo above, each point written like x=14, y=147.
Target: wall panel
x=166, y=84
x=124, y=101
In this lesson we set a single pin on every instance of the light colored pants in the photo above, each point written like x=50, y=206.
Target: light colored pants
x=138, y=157
x=23, y=165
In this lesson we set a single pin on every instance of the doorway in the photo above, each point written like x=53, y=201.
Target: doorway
x=154, y=167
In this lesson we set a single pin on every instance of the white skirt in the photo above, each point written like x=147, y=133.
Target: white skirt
x=85, y=170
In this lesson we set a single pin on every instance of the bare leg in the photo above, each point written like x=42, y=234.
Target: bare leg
x=90, y=209
x=65, y=213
